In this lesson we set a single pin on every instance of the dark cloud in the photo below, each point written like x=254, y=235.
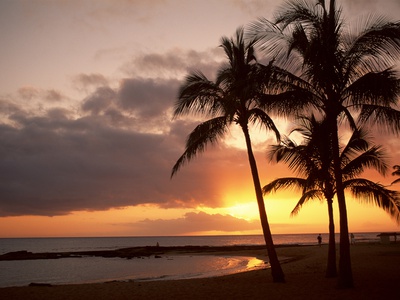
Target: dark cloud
x=53, y=96
x=99, y=101
x=192, y=223
x=115, y=149
x=59, y=114
x=8, y=108
x=53, y=165
x=113, y=155
x=148, y=98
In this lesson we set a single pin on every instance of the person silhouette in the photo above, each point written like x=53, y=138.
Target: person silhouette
x=319, y=238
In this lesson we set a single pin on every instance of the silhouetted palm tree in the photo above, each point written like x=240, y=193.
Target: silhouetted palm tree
x=396, y=173
x=311, y=161
x=231, y=100
x=339, y=73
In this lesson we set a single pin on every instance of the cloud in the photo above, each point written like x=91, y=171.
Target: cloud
x=28, y=92
x=32, y=93
x=98, y=101
x=53, y=95
x=115, y=147
x=174, y=63
x=53, y=165
x=114, y=150
x=83, y=81
x=147, y=97
x=192, y=223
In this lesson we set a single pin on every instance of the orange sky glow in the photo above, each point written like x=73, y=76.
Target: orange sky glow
x=123, y=221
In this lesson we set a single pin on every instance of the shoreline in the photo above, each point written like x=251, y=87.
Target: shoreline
x=375, y=271
x=130, y=252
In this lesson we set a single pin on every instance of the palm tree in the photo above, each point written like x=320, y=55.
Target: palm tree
x=396, y=173
x=340, y=74
x=310, y=161
x=231, y=99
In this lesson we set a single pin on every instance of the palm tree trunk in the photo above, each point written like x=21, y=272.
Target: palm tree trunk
x=276, y=269
x=345, y=278
x=331, y=266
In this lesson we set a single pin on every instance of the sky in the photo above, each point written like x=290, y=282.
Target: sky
x=88, y=141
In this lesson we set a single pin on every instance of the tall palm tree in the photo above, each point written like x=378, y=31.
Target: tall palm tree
x=310, y=161
x=342, y=75
x=231, y=100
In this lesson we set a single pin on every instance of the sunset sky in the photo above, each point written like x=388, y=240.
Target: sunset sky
x=87, y=137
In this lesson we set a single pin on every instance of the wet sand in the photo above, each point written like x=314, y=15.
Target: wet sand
x=376, y=272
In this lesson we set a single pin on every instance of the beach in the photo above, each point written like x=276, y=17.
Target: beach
x=375, y=270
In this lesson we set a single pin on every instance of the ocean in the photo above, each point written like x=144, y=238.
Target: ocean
x=99, y=269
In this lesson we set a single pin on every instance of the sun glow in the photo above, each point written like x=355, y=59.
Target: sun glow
x=247, y=211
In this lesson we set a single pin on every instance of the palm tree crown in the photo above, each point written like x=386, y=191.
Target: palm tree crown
x=313, y=163
x=336, y=69
x=233, y=99
x=310, y=161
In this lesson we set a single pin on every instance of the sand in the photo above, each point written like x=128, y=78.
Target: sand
x=376, y=272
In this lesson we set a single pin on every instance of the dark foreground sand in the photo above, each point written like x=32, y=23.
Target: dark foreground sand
x=376, y=272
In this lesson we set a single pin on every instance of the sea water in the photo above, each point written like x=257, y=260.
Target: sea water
x=99, y=269
x=69, y=244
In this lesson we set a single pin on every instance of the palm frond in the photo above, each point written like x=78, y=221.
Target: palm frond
x=287, y=103
x=298, y=11
x=378, y=44
x=370, y=192
x=376, y=88
x=372, y=158
x=396, y=171
x=396, y=181
x=205, y=133
x=284, y=183
x=309, y=195
x=358, y=142
x=198, y=95
x=388, y=117
x=258, y=115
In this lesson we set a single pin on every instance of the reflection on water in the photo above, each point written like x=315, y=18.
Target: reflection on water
x=97, y=269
